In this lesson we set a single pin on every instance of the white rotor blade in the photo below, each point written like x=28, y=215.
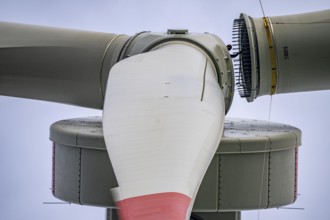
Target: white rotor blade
x=163, y=119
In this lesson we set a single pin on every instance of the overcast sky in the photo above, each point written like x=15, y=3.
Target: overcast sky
x=25, y=158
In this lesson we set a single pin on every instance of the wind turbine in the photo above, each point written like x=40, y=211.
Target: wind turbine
x=210, y=62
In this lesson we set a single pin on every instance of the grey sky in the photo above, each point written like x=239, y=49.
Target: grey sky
x=25, y=159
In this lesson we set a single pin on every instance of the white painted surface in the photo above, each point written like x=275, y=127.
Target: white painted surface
x=160, y=135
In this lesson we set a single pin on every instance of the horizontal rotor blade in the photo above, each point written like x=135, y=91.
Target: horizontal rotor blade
x=56, y=64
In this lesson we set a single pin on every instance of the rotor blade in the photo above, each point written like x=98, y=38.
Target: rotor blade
x=162, y=121
x=56, y=64
x=282, y=54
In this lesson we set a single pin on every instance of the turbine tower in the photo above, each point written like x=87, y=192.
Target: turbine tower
x=163, y=148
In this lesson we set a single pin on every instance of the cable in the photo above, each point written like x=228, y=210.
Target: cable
x=262, y=8
x=269, y=114
x=264, y=159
